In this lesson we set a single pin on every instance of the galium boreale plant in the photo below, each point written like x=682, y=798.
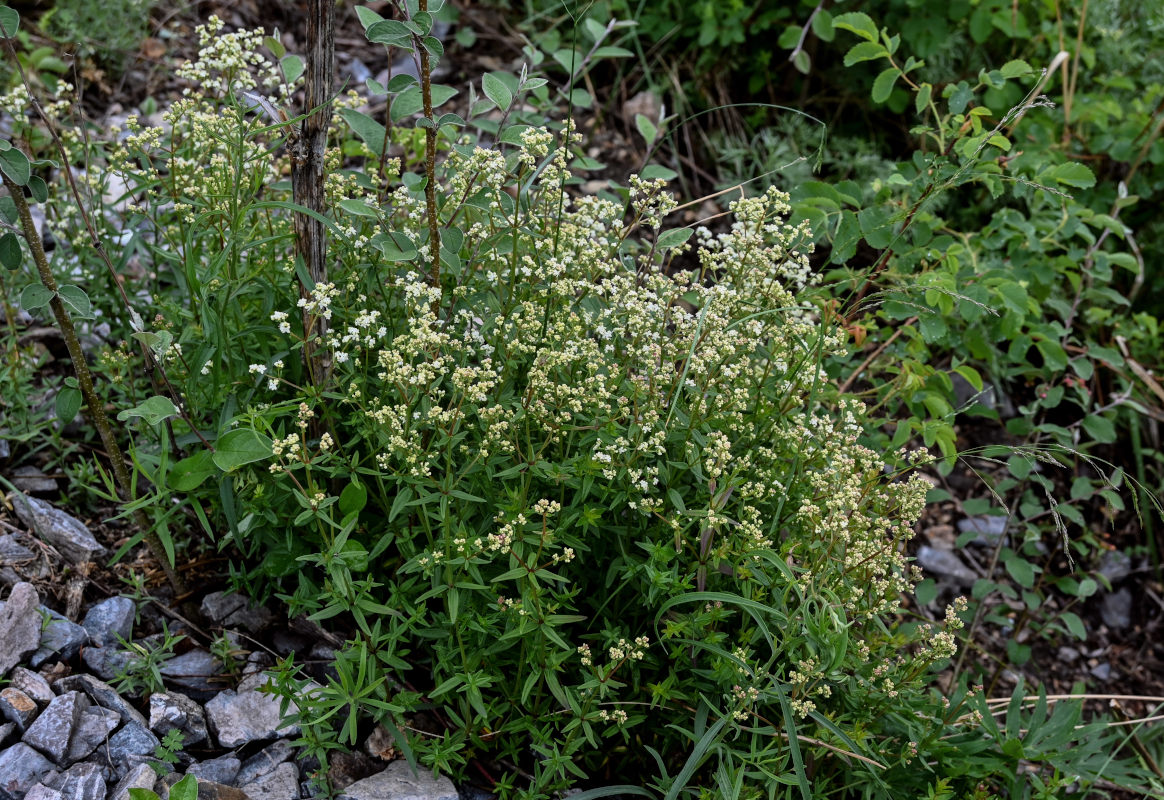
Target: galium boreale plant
x=576, y=491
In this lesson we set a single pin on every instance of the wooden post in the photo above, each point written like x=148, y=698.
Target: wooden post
x=307, y=175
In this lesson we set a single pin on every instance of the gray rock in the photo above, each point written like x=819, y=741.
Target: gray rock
x=30, y=479
x=1103, y=671
x=107, y=662
x=63, y=531
x=80, y=782
x=19, y=626
x=141, y=776
x=8, y=732
x=131, y=740
x=110, y=621
x=398, y=782
x=60, y=638
x=103, y=695
x=95, y=726
x=217, y=791
x=1116, y=609
x=53, y=729
x=17, y=707
x=264, y=762
x=193, y=670
x=223, y=769
x=989, y=528
x=1115, y=565
x=32, y=684
x=20, y=768
x=235, y=611
x=41, y=792
x=282, y=783
x=177, y=712
x=945, y=564
x=13, y=552
x=237, y=718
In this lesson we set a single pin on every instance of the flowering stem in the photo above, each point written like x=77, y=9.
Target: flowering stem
x=85, y=378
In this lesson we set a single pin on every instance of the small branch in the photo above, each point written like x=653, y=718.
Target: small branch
x=430, y=143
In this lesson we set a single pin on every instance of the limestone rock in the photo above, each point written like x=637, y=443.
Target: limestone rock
x=63, y=531
x=32, y=684
x=17, y=707
x=223, y=769
x=280, y=784
x=80, y=782
x=232, y=610
x=53, y=729
x=110, y=621
x=60, y=638
x=19, y=626
x=103, y=695
x=177, y=712
x=95, y=726
x=141, y=776
x=20, y=768
x=237, y=718
x=398, y=782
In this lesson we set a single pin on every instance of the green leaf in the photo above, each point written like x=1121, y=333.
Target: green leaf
x=368, y=129
x=1074, y=625
x=275, y=46
x=396, y=246
x=1100, y=429
x=388, y=31
x=1021, y=570
x=185, y=789
x=865, y=51
x=858, y=23
x=189, y=473
x=15, y=165
x=823, y=26
x=802, y=61
x=38, y=188
x=1015, y=69
x=410, y=101
x=76, y=300
x=68, y=403
x=673, y=238
x=359, y=208
x=153, y=410
x=35, y=296
x=367, y=17
x=239, y=447
x=292, y=68
x=1071, y=174
x=10, y=20
x=11, y=253
x=646, y=129
x=496, y=90
x=922, y=99
x=353, y=498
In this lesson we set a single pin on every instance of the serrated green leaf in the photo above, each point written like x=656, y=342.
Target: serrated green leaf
x=865, y=51
x=922, y=99
x=858, y=23
x=883, y=84
x=1072, y=174
x=238, y=447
